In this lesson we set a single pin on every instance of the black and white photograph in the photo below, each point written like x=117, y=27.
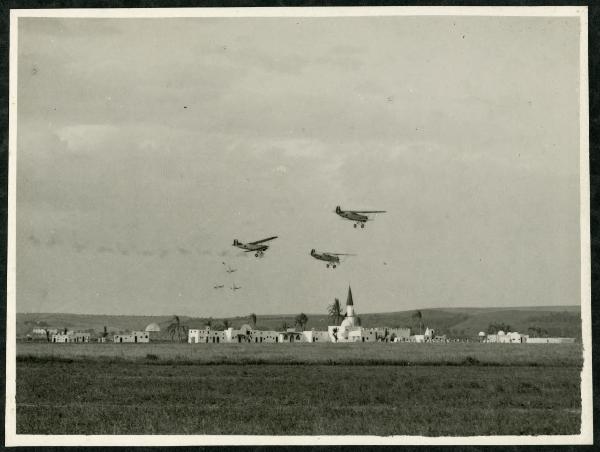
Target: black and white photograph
x=358, y=225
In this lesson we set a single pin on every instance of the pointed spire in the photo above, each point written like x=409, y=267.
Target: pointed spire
x=349, y=301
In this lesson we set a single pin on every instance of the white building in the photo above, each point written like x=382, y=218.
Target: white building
x=133, y=337
x=60, y=338
x=243, y=335
x=80, y=337
x=349, y=324
x=350, y=331
x=70, y=336
x=153, y=329
x=512, y=337
x=315, y=336
x=550, y=340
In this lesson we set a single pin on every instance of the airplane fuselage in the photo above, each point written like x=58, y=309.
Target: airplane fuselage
x=325, y=257
x=353, y=216
x=250, y=247
x=257, y=247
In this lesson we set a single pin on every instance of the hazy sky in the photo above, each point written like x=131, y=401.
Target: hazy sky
x=145, y=146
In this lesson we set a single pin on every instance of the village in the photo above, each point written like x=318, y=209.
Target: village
x=348, y=331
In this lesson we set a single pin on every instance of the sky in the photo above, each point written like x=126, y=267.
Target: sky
x=145, y=146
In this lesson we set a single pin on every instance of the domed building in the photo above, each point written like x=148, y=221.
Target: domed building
x=152, y=328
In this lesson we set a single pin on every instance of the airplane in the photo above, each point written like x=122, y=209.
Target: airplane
x=356, y=215
x=228, y=269
x=257, y=247
x=332, y=259
x=234, y=287
x=219, y=286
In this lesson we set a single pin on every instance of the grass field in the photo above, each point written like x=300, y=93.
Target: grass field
x=329, y=389
x=568, y=355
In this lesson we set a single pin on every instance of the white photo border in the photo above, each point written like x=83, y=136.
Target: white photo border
x=586, y=433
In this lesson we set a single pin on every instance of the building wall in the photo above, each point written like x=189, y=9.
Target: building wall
x=80, y=337
x=550, y=340
x=208, y=336
x=60, y=338
x=315, y=336
x=133, y=337
x=70, y=337
x=291, y=337
x=258, y=336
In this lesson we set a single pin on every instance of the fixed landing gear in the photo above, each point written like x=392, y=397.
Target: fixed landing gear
x=362, y=225
x=259, y=254
x=327, y=265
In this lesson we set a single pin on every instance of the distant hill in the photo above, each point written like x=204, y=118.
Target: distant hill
x=457, y=322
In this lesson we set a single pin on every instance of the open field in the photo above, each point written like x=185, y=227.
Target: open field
x=568, y=355
x=329, y=389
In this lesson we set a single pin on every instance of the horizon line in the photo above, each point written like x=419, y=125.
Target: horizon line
x=307, y=313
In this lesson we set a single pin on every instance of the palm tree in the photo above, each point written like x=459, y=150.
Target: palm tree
x=105, y=332
x=358, y=321
x=335, y=311
x=226, y=323
x=208, y=322
x=284, y=326
x=419, y=317
x=253, y=319
x=301, y=320
x=176, y=327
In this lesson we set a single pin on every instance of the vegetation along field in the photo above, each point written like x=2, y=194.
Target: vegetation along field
x=271, y=389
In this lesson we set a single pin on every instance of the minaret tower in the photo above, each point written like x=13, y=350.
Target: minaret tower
x=349, y=304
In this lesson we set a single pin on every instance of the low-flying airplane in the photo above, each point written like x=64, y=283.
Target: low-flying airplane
x=234, y=287
x=257, y=247
x=228, y=269
x=358, y=216
x=218, y=286
x=332, y=259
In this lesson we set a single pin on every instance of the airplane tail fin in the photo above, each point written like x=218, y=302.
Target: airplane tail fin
x=338, y=209
x=312, y=252
x=235, y=242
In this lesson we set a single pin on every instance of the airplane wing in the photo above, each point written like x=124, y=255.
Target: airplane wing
x=340, y=254
x=368, y=211
x=263, y=240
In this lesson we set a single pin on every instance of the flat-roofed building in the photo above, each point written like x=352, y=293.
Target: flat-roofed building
x=70, y=336
x=206, y=336
x=133, y=337
x=550, y=340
